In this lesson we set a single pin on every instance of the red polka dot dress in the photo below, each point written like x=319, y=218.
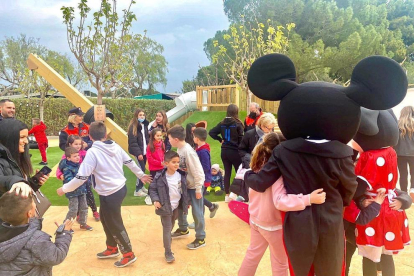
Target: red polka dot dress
x=388, y=233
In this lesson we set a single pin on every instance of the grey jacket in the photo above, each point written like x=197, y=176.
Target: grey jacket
x=32, y=252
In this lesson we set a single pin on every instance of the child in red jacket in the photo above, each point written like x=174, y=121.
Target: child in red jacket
x=39, y=132
x=155, y=152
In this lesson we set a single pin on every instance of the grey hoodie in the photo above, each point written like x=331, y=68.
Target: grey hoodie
x=32, y=252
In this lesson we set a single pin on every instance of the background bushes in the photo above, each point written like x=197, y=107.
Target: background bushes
x=56, y=111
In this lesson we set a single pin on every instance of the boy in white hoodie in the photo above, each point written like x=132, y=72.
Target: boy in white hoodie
x=105, y=160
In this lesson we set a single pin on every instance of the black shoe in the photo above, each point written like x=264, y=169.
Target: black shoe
x=43, y=163
x=196, y=244
x=169, y=257
x=213, y=210
x=178, y=234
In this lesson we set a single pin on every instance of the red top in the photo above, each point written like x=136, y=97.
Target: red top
x=156, y=158
x=250, y=121
x=39, y=132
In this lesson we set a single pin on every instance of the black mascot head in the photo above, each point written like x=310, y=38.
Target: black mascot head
x=320, y=110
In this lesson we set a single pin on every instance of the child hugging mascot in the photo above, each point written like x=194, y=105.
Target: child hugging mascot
x=318, y=119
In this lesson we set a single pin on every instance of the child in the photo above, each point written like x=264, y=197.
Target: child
x=77, y=198
x=265, y=217
x=104, y=160
x=190, y=163
x=217, y=180
x=155, y=152
x=161, y=122
x=138, y=137
x=76, y=142
x=39, y=132
x=168, y=190
x=203, y=152
x=24, y=248
x=189, y=134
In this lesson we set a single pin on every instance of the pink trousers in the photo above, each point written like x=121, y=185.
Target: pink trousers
x=259, y=241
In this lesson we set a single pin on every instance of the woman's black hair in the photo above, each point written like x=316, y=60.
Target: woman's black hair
x=9, y=138
x=189, y=134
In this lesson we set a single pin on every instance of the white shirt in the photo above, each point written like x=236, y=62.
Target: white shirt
x=174, y=187
x=144, y=142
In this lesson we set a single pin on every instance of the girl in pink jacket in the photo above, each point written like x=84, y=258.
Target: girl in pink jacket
x=266, y=218
x=155, y=152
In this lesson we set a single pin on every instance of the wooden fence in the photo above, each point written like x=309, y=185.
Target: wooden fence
x=217, y=98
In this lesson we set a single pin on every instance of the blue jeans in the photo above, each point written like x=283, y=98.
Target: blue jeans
x=197, y=208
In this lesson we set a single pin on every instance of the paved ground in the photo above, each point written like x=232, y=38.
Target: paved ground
x=227, y=240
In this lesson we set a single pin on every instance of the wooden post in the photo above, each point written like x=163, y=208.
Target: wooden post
x=74, y=96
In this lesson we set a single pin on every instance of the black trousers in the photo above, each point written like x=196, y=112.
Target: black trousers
x=90, y=199
x=403, y=163
x=207, y=203
x=369, y=268
x=139, y=184
x=230, y=158
x=112, y=223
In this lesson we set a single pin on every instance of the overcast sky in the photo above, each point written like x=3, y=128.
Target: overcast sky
x=181, y=26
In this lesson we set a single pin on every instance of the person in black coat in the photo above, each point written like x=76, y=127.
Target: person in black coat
x=138, y=137
x=251, y=138
x=229, y=133
x=161, y=122
x=15, y=165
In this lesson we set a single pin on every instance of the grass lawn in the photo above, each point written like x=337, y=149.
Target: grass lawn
x=55, y=154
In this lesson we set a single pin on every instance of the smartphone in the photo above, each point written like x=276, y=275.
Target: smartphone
x=43, y=171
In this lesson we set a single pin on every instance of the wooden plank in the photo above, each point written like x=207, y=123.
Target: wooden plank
x=74, y=96
x=210, y=105
x=217, y=86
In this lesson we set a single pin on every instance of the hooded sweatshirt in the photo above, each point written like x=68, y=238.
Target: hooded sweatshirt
x=39, y=132
x=190, y=163
x=156, y=158
x=31, y=252
x=203, y=153
x=105, y=161
x=230, y=131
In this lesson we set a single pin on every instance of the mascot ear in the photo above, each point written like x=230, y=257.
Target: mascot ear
x=369, y=122
x=377, y=83
x=272, y=77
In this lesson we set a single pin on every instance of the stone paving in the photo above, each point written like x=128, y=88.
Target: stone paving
x=227, y=240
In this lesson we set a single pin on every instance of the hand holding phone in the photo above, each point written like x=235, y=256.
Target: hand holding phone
x=43, y=172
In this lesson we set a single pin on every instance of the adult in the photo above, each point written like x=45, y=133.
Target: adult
x=405, y=148
x=7, y=109
x=75, y=126
x=138, y=137
x=265, y=125
x=15, y=165
x=229, y=133
x=254, y=115
x=161, y=122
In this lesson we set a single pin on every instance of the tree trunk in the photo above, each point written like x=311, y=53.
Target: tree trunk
x=41, y=109
x=100, y=95
x=248, y=98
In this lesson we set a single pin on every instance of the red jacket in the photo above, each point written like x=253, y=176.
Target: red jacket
x=82, y=130
x=156, y=158
x=39, y=132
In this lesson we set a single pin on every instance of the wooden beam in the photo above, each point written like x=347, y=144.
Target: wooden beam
x=74, y=96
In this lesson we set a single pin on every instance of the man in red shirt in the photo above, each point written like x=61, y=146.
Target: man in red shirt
x=39, y=132
x=254, y=115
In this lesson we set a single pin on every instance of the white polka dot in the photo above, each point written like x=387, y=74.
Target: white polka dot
x=370, y=231
x=406, y=222
x=390, y=236
x=356, y=232
x=390, y=177
x=380, y=161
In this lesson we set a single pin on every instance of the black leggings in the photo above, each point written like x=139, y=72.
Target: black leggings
x=350, y=250
x=403, y=163
x=369, y=268
x=230, y=158
x=90, y=199
x=113, y=225
x=207, y=203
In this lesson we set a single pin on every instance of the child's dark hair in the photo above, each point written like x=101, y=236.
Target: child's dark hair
x=233, y=112
x=177, y=132
x=189, y=134
x=72, y=139
x=200, y=133
x=152, y=139
x=97, y=130
x=263, y=151
x=14, y=208
x=69, y=151
x=169, y=155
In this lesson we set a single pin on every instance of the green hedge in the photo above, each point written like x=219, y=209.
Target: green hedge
x=56, y=110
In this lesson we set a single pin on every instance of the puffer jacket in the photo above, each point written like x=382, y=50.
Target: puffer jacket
x=159, y=191
x=156, y=158
x=247, y=145
x=10, y=172
x=136, y=143
x=70, y=170
x=32, y=252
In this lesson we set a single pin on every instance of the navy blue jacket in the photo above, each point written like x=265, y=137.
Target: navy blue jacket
x=70, y=170
x=203, y=153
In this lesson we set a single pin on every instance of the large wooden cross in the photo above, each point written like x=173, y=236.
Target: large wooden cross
x=74, y=96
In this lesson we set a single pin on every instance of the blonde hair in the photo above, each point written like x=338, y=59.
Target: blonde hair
x=266, y=119
x=263, y=151
x=406, y=121
x=36, y=121
x=71, y=118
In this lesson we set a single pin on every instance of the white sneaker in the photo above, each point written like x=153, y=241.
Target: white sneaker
x=412, y=191
x=148, y=200
x=140, y=193
x=227, y=199
x=145, y=190
x=232, y=196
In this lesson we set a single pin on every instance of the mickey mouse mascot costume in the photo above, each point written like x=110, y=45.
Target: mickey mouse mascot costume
x=319, y=119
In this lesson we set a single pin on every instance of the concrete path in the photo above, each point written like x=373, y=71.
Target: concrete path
x=227, y=241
